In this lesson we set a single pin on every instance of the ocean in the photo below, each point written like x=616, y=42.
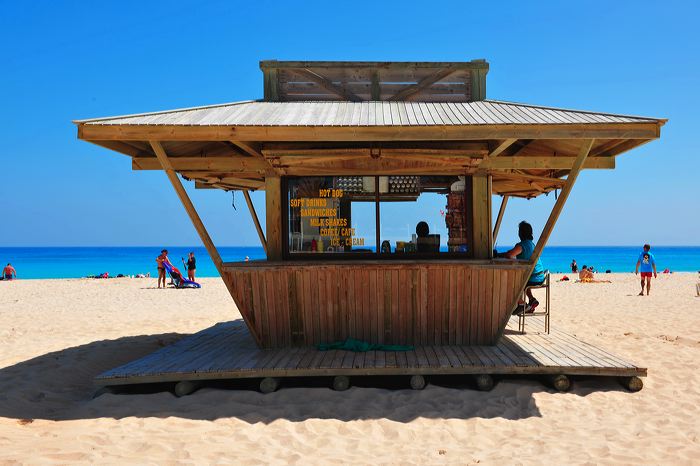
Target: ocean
x=76, y=262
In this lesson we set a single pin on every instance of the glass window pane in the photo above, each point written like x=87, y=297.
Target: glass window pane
x=331, y=214
x=422, y=214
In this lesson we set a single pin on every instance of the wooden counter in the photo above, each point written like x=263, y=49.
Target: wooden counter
x=427, y=302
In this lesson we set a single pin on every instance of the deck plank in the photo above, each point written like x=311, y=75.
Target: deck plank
x=227, y=350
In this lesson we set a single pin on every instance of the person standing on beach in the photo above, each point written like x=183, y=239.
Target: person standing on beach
x=191, y=267
x=8, y=272
x=647, y=262
x=161, y=268
x=574, y=266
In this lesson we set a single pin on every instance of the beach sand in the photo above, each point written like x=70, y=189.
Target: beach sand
x=58, y=334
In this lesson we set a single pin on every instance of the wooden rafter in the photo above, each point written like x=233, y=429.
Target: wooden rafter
x=520, y=146
x=407, y=92
x=248, y=148
x=503, y=145
x=327, y=84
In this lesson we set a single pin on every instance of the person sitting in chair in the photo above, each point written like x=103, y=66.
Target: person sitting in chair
x=523, y=251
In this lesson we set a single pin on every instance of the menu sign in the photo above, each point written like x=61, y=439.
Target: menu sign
x=323, y=213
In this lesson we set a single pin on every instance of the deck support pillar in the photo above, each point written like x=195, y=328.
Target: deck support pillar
x=633, y=384
x=341, y=383
x=484, y=382
x=560, y=382
x=186, y=387
x=418, y=382
x=269, y=385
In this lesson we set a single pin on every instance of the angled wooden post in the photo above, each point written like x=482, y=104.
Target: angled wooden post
x=499, y=218
x=552, y=220
x=201, y=230
x=187, y=203
x=561, y=200
x=261, y=235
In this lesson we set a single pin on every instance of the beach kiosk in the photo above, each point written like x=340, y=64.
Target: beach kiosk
x=344, y=149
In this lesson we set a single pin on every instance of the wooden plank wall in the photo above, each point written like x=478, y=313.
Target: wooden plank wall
x=435, y=304
x=367, y=81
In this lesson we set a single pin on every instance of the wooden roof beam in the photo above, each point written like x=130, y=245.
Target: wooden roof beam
x=544, y=163
x=428, y=81
x=96, y=132
x=232, y=164
x=327, y=84
x=528, y=178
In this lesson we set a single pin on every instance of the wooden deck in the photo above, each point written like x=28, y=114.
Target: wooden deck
x=227, y=351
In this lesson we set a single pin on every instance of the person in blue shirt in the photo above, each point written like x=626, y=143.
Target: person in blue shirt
x=523, y=251
x=648, y=264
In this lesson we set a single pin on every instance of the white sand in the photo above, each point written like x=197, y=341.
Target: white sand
x=58, y=334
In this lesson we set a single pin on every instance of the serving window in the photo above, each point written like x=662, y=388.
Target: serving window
x=376, y=216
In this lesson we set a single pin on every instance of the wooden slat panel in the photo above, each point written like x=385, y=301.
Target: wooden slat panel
x=437, y=303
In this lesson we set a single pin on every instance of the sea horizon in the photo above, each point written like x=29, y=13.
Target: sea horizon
x=46, y=262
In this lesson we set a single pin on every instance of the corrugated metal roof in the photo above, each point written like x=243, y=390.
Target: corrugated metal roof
x=375, y=113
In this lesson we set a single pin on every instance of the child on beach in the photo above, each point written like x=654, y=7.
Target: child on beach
x=647, y=262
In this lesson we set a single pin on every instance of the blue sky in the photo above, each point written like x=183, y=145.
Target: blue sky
x=69, y=60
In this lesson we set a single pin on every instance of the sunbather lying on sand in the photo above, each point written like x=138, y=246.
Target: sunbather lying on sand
x=586, y=276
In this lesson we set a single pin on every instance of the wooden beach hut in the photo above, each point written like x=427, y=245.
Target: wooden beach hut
x=338, y=148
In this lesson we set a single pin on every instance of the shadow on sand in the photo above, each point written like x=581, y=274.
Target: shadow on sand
x=59, y=386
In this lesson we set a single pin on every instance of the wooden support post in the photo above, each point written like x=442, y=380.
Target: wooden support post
x=499, y=219
x=189, y=207
x=481, y=217
x=273, y=214
x=256, y=221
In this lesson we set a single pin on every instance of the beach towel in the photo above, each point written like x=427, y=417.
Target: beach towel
x=359, y=346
